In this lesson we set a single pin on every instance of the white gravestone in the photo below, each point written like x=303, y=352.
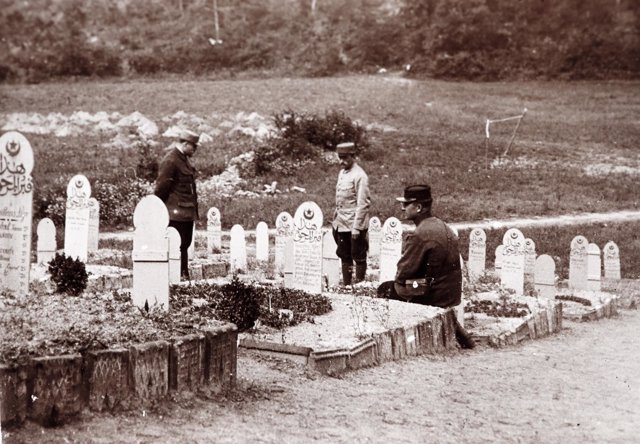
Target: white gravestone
x=594, y=268
x=477, y=253
x=76, y=219
x=498, y=260
x=46, y=245
x=238, y=249
x=512, y=272
x=331, y=268
x=529, y=259
x=578, y=263
x=307, y=248
x=191, y=251
x=375, y=236
x=94, y=224
x=611, y=255
x=214, y=231
x=262, y=242
x=150, y=253
x=284, y=236
x=544, y=276
x=390, y=249
x=16, y=197
x=173, y=239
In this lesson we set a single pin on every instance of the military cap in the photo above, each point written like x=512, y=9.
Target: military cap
x=416, y=193
x=346, y=148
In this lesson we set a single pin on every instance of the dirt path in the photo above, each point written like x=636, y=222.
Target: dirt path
x=580, y=386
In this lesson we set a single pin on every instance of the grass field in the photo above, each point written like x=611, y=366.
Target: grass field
x=576, y=150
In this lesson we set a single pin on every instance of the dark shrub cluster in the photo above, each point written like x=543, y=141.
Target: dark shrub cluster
x=69, y=275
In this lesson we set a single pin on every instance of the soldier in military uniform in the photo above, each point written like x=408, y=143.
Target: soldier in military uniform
x=176, y=186
x=351, y=216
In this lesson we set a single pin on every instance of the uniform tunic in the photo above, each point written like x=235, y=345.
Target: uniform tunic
x=176, y=186
x=352, y=200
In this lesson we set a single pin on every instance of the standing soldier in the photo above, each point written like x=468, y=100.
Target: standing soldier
x=351, y=216
x=176, y=186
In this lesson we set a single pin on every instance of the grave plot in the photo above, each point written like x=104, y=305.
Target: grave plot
x=586, y=305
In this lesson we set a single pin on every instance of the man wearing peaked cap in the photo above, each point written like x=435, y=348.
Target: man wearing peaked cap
x=176, y=186
x=429, y=271
x=351, y=215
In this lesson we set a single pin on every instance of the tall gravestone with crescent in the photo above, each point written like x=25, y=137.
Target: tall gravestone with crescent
x=76, y=219
x=529, y=259
x=262, y=242
x=578, y=258
x=594, y=267
x=512, y=272
x=544, y=277
x=611, y=254
x=284, y=239
x=237, y=249
x=214, y=231
x=497, y=264
x=375, y=236
x=307, y=248
x=477, y=253
x=331, y=268
x=150, y=253
x=16, y=197
x=390, y=249
x=94, y=224
x=46, y=244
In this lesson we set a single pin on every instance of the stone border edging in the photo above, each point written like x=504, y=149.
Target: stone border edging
x=606, y=309
x=50, y=389
x=434, y=335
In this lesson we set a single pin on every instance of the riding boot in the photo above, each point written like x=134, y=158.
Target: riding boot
x=361, y=271
x=347, y=270
x=463, y=337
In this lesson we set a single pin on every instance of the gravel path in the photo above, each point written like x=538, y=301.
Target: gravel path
x=579, y=386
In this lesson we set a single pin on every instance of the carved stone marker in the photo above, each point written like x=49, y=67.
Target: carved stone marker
x=594, y=268
x=214, y=231
x=307, y=248
x=94, y=224
x=150, y=253
x=390, y=249
x=76, y=220
x=331, y=268
x=578, y=263
x=191, y=251
x=512, y=272
x=46, y=245
x=498, y=260
x=529, y=259
x=375, y=237
x=545, y=276
x=284, y=236
x=238, y=249
x=173, y=239
x=262, y=242
x=611, y=255
x=477, y=253
x=16, y=197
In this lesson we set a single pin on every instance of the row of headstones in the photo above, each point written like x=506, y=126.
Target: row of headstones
x=516, y=262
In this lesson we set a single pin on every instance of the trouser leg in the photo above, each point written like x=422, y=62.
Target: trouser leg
x=185, y=229
x=347, y=273
x=359, y=248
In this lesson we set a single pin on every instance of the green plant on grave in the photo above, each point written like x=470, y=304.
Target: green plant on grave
x=358, y=311
x=240, y=304
x=69, y=275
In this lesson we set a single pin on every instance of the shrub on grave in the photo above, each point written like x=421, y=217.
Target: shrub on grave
x=118, y=199
x=69, y=275
x=303, y=306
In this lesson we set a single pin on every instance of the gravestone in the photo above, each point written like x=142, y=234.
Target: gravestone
x=331, y=268
x=237, y=250
x=307, y=248
x=46, y=245
x=94, y=224
x=594, y=268
x=76, y=219
x=173, y=239
x=262, y=242
x=214, y=231
x=390, y=249
x=191, y=251
x=477, y=253
x=498, y=260
x=375, y=236
x=578, y=263
x=150, y=253
x=512, y=271
x=16, y=197
x=544, y=276
x=529, y=259
x=284, y=237
x=611, y=255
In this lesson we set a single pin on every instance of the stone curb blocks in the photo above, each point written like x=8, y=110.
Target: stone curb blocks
x=107, y=374
x=55, y=389
x=362, y=355
x=221, y=356
x=606, y=309
x=330, y=362
x=186, y=362
x=149, y=370
x=13, y=388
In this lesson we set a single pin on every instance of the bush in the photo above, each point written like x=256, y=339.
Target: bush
x=118, y=200
x=240, y=304
x=69, y=275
